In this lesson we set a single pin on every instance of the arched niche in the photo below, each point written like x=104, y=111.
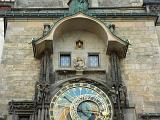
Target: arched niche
x=82, y=22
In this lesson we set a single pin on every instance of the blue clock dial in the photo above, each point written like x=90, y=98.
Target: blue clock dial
x=88, y=110
x=80, y=101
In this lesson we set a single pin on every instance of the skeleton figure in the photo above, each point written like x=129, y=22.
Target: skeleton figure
x=123, y=94
x=114, y=94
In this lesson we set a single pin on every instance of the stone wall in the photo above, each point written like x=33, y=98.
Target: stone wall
x=140, y=68
x=1, y=36
x=158, y=33
x=63, y=3
x=19, y=70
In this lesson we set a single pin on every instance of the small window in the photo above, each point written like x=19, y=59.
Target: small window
x=93, y=60
x=65, y=60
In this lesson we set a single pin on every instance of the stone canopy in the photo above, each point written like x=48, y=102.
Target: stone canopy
x=84, y=22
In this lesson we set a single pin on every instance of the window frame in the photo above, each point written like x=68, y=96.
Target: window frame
x=65, y=53
x=88, y=61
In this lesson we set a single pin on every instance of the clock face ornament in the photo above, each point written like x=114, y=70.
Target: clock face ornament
x=81, y=101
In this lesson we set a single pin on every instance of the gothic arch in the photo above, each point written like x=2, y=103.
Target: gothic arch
x=55, y=87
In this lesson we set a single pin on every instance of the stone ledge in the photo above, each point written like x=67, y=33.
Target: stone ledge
x=73, y=70
x=149, y=115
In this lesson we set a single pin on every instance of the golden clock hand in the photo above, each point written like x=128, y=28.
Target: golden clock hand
x=92, y=111
x=63, y=106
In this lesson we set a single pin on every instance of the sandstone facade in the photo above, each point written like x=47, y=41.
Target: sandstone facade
x=20, y=70
x=140, y=68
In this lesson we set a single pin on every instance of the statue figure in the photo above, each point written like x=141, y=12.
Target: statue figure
x=78, y=6
x=123, y=94
x=114, y=94
x=112, y=27
x=82, y=5
x=43, y=92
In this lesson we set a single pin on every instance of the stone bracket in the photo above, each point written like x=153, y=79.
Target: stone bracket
x=119, y=48
x=40, y=47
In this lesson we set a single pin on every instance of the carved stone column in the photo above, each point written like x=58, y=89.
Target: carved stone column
x=117, y=81
x=39, y=114
x=117, y=49
x=42, y=95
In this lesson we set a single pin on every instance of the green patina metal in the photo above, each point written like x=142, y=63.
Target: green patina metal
x=113, y=30
x=61, y=13
x=78, y=6
x=151, y=2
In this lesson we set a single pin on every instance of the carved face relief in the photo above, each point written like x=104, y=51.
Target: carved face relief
x=79, y=63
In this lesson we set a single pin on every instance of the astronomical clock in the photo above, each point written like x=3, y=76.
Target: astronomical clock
x=81, y=101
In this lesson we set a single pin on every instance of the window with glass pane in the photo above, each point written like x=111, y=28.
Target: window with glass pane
x=65, y=60
x=93, y=60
